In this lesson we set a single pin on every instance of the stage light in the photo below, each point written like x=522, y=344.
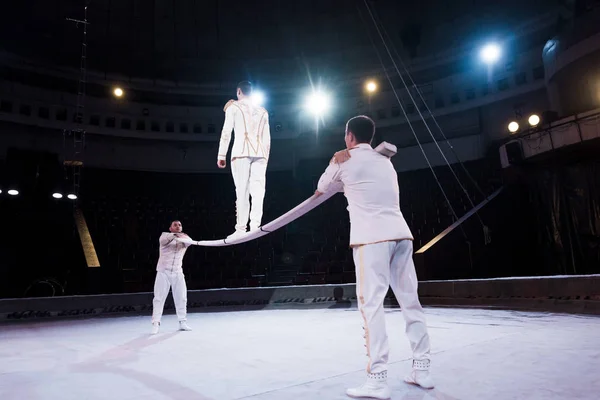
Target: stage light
x=371, y=86
x=71, y=196
x=490, y=53
x=513, y=127
x=534, y=120
x=118, y=92
x=258, y=97
x=57, y=195
x=13, y=192
x=318, y=103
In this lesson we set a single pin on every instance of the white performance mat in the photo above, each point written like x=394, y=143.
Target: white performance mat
x=307, y=205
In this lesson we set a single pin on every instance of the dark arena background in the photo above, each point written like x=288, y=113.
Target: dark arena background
x=110, y=117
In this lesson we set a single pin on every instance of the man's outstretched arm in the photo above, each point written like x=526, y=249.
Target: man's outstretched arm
x=185, y=239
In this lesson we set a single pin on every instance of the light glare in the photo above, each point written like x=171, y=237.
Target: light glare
x=118, y=92
x=318, y=103
x=371, y=86
x=490, y=53
x=513, y=127
x=258, y=98
x=72, y=196
x=57, y=195
x=13, y=192
x=534, y=120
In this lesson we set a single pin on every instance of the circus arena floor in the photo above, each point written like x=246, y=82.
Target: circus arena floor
x=297, y=354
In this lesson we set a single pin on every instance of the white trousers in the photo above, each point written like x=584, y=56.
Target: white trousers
x=166, y=280
x=249, y=177
x=378, y=266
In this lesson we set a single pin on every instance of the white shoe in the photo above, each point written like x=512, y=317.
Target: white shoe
x=236, y=235
x=420, y=375
x=183, y=326
x=155, y=328
x=375, y=387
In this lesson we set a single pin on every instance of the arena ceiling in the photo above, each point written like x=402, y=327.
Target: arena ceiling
x=208, y=41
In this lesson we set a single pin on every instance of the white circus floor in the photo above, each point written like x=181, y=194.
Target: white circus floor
x=297, y=354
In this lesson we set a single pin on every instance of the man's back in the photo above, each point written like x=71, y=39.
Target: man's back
x=251, y=126
x=371, y=187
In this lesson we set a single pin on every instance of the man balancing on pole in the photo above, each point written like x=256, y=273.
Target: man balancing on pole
x=382, y=247
x=249, y=156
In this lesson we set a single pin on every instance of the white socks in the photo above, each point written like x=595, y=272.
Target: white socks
x=155, y=328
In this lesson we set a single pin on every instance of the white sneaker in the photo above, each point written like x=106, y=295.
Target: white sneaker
x=375, y=387
x=155, y=328
x=420, y=375
x=183, y=326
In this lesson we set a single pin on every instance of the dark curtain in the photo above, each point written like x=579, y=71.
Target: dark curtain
x=566, y=201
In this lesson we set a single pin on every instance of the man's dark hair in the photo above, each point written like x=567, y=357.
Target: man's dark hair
x=245, y=87
x=362, y=127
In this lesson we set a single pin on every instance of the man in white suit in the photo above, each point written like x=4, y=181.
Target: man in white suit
x=382, y=245
x=169, y=275
x=249, y=155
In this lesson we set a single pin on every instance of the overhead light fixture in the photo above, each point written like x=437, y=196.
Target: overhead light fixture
x=371, y=86
x=318, y=103
x=534, y=120
x=57, y=195
x=490, y=53
x=118, y=92
x=513, y=127
x=13, y=192
x=257, y=97
x=71, y=196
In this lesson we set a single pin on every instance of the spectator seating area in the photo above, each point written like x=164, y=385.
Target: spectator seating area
x=127, y=211
x=40, y=250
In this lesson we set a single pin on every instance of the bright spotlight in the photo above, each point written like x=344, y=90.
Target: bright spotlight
x=490, y=53
x=57, y=195
x=318, y=103
x=258, y=97
x=534, y=120
x=371, y=86
x=513, y=127
x=13, y=192
x=118, y=92
x=72, y=196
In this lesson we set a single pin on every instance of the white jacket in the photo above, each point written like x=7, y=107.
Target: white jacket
x=172, y=251
x=252, y=133
x=371, y=187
